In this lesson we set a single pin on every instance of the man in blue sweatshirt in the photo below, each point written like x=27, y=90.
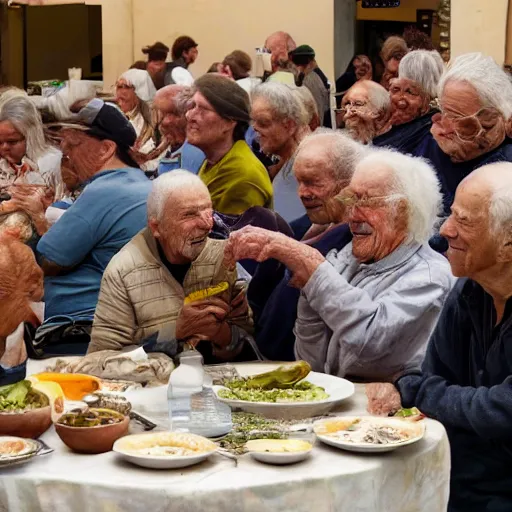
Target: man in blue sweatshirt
x=466, y=378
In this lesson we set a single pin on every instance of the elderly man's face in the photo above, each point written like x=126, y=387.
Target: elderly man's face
x=185, y=225
x=473, y=247
x=81, y=157
x=408, y=101
x=377, y=217
x=274, y=133
x=359, y=115
x=13, y=145
x=125, y=96
x=465, y=129
x=205, y=128
x=278, y=47
x=318, y=186
x=173, y=125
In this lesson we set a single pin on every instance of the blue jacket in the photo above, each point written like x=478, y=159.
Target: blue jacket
x=466, y=384
x=274, y=326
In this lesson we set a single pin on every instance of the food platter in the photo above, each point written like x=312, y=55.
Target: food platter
x=164, y=450
x=17, y=450
x=337, y=432
x=336, y=388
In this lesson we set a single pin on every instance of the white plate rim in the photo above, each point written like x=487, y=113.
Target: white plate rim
x=35, y=447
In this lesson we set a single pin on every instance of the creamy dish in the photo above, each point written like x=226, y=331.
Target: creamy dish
x=278, y=445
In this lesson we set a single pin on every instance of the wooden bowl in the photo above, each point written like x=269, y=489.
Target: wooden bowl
x=91, y=440
x=31, y=423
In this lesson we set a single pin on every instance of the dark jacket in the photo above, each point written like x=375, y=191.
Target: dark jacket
x=275, y=319
x=466, y=384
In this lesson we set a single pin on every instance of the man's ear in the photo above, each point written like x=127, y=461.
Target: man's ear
x=154, y=227
x=505, y=249
x=108, y=150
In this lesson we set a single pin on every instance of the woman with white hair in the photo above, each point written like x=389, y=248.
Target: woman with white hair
x=135, y=92
x=413, y=100
x=474, y=125
x=367, y=310
x=29, y=166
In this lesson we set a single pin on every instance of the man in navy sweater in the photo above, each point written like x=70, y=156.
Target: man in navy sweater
x=466, y=378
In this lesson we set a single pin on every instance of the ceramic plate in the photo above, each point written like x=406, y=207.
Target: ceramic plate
x=33, y=448
x=263, y=450
x=127, y=447
x=329, y=432
x=338, y=390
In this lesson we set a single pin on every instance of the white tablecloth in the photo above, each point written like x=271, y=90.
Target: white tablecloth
x=410, y=479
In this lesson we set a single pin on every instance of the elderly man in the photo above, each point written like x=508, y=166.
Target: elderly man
x=172, y=103
x=280, y=118
x=323, y=166
x=474, y=125
x=175, y=252
x=368, y=309
x=280, y=44
x=366, y=111
x=110, y=210
x=217, y=120
x=465, y=380
x=412, y=95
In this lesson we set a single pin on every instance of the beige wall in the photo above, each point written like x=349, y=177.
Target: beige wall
x=221, y=26
x=479, y=26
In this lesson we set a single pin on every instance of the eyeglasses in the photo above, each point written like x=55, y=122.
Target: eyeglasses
x=356, y=106
x=468, y=128
x=352, y=201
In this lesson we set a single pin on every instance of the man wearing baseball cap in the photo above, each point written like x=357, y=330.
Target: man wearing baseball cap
x=216, y=124
x=110, y=210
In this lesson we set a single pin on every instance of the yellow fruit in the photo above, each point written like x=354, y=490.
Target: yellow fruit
x=54, y=393
x=74, y=385
x=207, y=292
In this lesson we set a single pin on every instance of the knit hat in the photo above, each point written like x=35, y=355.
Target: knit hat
x=304, y=50
x=228, y=99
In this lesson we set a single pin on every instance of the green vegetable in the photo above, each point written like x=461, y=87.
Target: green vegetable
x=406, y=413
x=285, y=376
x=14, y=396
x=239, y=389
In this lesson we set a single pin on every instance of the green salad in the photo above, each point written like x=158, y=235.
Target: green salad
x=240, y=389
x=21, y=396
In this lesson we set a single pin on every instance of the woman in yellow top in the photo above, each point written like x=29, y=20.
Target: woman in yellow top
x=218, y=118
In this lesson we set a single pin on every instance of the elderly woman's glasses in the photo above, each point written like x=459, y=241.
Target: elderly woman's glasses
x=468, y=128
x=354, y=201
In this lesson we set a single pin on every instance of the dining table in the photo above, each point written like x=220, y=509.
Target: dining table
x=413, y=478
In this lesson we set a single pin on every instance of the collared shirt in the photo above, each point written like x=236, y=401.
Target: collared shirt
x=286, y=198
x=371, y=320
x=108, y=213
x=187, y=157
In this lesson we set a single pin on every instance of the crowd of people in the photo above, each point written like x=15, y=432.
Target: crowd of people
x=378, y=251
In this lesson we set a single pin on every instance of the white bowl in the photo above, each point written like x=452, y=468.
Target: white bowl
x=338, y=390
x=258, y=452
x=416, y=429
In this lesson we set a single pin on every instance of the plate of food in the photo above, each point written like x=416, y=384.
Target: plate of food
x=369, y=433
x=289, y=391
x=279, y=451
x=165, y=450
x=17, y=450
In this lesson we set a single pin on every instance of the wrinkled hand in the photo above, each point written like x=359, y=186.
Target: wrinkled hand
x=383, y=398
x=239, y=306
x=202, y=320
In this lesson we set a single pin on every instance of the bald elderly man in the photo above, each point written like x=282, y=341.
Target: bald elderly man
x=465, y=381
x=172, y=101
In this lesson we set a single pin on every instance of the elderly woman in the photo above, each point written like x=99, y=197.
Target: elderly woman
x=134, y=96
x=29, y=166
x=366, y=111
x=367, y=311
x=474, y=125
x=413, y=96
x=280, y=118
x=393, y=51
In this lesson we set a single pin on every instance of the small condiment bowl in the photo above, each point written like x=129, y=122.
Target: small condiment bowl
x=279, y=451
x=93, y=440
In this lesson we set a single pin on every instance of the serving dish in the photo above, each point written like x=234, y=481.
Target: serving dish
x=279, y=451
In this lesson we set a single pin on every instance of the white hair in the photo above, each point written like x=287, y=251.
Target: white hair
x=16, y=107
x=423, y=67
x=343, y=152
x=284, y=101
x=166, y=186
x=416, y=179
x=377, y=95
x=141, y=81
x=493, y=85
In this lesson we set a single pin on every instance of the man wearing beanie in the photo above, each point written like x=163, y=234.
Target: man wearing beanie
x=216, y=124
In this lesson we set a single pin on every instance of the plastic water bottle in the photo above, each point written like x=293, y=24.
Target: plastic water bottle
x=192, y=406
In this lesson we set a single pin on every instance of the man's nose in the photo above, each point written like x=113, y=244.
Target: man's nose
x=206, y=219
x=448, y=229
